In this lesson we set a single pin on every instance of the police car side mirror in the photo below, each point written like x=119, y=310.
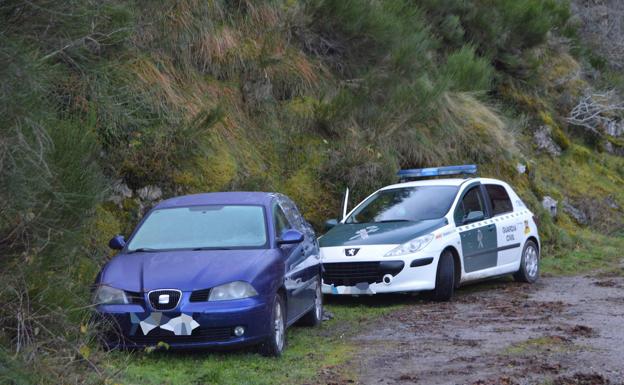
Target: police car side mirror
x=474, y=216
x=290, y=237
x=330, y=223
x=117, y=242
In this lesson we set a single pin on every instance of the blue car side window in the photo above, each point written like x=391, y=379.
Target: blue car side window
x=280, y=220
x=292, y=213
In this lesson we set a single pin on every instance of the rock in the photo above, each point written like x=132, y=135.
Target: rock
x=150, y=193
x=611, y=203
x=579, y=216
x=521, y=168
x=327, y=315
x=543, y=140
x=121, y=191
x=613, y=149
x=258, y=91
x=551, y=205
x=614, y=128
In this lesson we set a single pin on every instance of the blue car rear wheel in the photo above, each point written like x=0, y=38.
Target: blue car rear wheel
x=315, y=315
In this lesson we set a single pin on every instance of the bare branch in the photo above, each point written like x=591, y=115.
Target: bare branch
x=598, y=113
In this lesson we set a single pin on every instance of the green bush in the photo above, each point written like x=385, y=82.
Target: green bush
x=468, y=72
x=501, y=29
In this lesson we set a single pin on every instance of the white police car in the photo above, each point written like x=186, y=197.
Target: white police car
x=430, y=235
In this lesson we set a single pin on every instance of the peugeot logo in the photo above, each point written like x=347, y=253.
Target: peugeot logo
x=351, y=252
x=163, y=299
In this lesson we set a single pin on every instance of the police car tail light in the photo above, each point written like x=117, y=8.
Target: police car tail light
x=412, y=246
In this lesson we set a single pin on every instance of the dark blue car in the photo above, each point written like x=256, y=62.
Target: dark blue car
x=213, y=270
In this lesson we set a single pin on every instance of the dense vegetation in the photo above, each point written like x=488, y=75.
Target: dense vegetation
x=305, y=97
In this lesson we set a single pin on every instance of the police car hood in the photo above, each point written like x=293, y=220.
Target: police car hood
x=379, y=233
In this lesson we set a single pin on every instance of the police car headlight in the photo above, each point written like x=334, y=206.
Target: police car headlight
x=232, y=290
x=106, y=295
x=412, y=246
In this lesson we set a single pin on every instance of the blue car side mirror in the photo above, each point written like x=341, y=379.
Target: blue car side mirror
x=290, y=237
x=117, y=242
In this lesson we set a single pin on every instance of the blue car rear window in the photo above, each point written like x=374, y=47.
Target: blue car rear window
x=210, y=227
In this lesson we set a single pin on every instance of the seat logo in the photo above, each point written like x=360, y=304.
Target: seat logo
x=351, y=252
x=163, y=299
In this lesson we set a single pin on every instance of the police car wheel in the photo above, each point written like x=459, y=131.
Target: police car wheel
x=275, y=343
x=315, y=315
x=445, y=278
x=529, y=264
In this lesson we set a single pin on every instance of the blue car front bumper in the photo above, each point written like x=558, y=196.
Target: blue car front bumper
x=208, y=325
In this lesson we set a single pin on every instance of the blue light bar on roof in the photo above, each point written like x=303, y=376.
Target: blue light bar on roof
x=437, y=171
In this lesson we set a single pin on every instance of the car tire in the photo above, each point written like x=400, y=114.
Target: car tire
x=315, y=315
x=529, y=264
x=275, y=343
x=445, y=278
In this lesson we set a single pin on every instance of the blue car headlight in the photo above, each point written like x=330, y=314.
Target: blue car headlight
x=232, y=290
x=412, y=246
x=106, y=295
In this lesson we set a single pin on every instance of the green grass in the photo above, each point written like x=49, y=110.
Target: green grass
x=539, y=345
x=594, y=253
x=310, y=350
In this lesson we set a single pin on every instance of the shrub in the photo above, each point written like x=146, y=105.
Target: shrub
x=468, y=72
x=502, y=30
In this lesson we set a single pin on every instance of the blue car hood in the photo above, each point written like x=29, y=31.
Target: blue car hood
x=184, y=270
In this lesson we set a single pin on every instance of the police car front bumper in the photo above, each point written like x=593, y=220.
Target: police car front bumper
x=370, y=272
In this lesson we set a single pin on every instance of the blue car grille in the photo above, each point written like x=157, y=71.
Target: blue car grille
x=174, y=298
x=135, y=297
x=352, y=273
x=198, y=335
x=200, y=295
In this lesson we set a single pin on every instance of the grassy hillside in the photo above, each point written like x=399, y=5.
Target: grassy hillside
x=100, y=99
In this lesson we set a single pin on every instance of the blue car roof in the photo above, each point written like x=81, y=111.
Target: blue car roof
x=219, y=198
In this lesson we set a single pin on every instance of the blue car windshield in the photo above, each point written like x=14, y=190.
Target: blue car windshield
x=405, y=204
x=202, y=227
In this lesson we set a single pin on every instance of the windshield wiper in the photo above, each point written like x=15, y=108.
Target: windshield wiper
x=393, y=220
x=211, y=248
x=143, y=250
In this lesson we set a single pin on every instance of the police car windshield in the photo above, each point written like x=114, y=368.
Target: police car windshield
x=405, y=204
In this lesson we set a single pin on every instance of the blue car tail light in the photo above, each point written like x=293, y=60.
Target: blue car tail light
x=414, y=173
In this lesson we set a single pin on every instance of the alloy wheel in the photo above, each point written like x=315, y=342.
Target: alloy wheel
x=531, y=261
x=279, y=326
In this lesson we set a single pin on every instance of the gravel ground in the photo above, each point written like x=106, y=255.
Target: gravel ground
x=560, y=331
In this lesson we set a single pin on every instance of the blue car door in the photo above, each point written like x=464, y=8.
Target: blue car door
x=294, y=255
x=311, y=263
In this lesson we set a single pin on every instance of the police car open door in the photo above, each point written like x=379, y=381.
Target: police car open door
x=477, y=232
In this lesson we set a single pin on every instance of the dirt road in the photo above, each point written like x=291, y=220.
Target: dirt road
x=559, y=331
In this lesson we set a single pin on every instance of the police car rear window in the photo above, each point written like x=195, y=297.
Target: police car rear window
x=405, y=204
x=499, y=198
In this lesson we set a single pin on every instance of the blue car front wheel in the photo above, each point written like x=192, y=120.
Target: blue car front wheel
x=275, y=343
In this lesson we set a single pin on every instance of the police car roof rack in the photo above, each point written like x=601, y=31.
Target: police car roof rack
x=420, y=173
